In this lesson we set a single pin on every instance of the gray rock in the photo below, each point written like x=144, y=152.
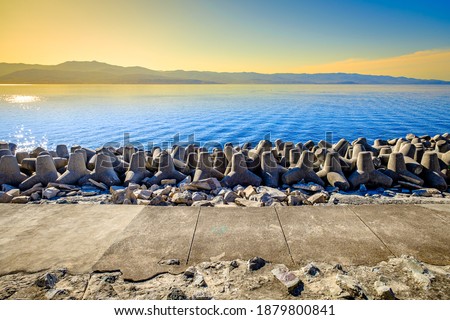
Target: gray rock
x=256, y=263
x=273, y=193
x=21, y=199
x=190, y=272
x=198, y=196
x=47, y=281
x=286, y=277
x=230, y=196
x=176, y=294
x=311, y=270
x=50, y=193
x=248, y=203
x=170, y=262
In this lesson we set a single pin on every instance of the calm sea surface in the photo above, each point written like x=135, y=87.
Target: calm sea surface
x=92, y=115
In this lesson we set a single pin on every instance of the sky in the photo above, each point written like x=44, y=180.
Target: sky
x=398, y=38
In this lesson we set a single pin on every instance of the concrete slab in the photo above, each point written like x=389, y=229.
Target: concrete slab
x=232, y=233
x=442, y=210
x=156, y=234
x=330, y=234
x=37, y=237
x=411, y=230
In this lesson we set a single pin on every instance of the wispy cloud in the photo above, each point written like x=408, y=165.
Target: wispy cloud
x=429, y=64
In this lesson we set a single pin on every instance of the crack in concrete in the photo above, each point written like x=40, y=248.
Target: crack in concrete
x=284, y=236
x=393, y=254
x=193, y=235
x=86, y=287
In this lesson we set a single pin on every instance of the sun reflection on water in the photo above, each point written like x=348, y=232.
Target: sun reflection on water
x=26, y=141
x=21, y=99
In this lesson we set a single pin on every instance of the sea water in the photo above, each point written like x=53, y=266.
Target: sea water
x=95, y=115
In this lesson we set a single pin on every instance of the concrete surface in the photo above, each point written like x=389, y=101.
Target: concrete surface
x=330, y=234
x=411, y=230
x=38, y=237
x=155, y=235
x=135, y=239
x=231, y=233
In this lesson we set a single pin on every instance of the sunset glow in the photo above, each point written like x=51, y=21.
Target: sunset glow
x=372, y=37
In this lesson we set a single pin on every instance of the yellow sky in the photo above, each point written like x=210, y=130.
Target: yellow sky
x=231, y=36
x=430, y=64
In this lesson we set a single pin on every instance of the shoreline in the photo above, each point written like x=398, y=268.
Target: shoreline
x=268, y=174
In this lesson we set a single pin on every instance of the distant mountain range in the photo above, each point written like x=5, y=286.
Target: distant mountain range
x=93, y=72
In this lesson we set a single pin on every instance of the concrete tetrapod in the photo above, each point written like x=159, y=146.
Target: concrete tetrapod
x=103, y=171
x=303, y=171
x=76, y=169
x=431, y=173
x=204, y=168
x=220, y=161
x=240, y=174
x=45, y=173
x=136, y=172
x=62, y=151
x=332, y=172
x=270, y=170
x=366, y=173
x=10, y=171
x=166, y=170
x=396, y=169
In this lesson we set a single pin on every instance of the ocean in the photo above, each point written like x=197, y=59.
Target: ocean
x=95, y=115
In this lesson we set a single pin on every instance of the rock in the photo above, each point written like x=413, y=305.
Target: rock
x=190, y=272
x=5, y=197
x=202, y=295
x=265, y=198
x=256, y=263
x=311, y=270
x=248, y=203
x=409, y=185
x=230, y=196
x=99, y=185
x=47, y=281
x=118, y=194
x=287, y=278
x=250, y=190
x=234, y=264
x=273, y=193
x=351, y=286
x=311, y=186
x=295, y=200
x=383, y=291
x=181, y=197
x=143, y=194
x=319, y=197
x=198, y=196
x=35, y=196
x=21, y=199
x=426, y=192
x=50, y=193
x=218, y=200
x=176, y=294
x=421, y=274
x=202, y=203
x=156, y=200
x=163, y=192
x=142, y=202
x=170, y=262
x=199, y=281
x=36, y=188
x=168, y=182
